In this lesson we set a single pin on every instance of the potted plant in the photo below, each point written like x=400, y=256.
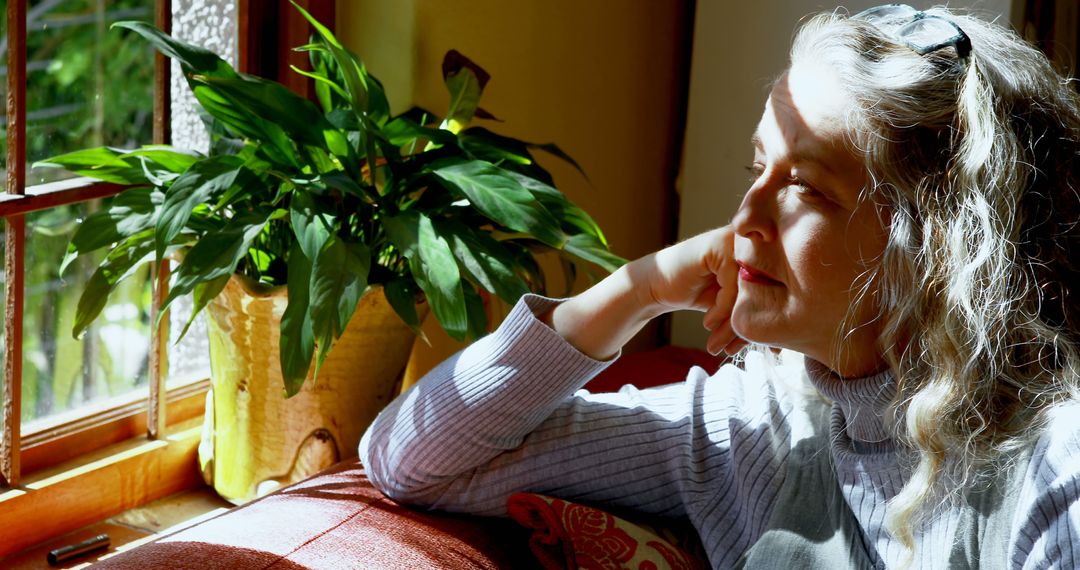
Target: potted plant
x=319, y=207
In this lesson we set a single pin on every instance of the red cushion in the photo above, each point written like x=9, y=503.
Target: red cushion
x=336, y=519
x=571, y=535
x=653, y=368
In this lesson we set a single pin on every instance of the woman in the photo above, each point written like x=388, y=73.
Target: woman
x=908, y=229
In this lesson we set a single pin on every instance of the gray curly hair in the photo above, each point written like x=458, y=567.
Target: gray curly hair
x=972, y=162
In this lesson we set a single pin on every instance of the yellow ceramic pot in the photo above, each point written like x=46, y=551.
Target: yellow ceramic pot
x=254, y=439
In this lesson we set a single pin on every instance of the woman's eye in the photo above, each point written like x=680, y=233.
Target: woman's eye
x=755, y=170
x=807, y=191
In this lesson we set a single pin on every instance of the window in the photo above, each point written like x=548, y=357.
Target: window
x=76, y=84
x=73, y=87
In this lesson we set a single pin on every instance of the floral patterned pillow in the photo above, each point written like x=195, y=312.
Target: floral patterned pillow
x=569, y=535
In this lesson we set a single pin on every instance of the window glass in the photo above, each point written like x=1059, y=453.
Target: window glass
x=211, y=24
x=62, y=373
x=188, y=360
x=86, y=85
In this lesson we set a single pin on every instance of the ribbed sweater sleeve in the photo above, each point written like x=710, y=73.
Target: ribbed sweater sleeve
x=507, y=415
x=474, y=406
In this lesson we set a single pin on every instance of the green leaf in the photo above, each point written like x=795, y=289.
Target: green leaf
x=433, y=266
x=404, y=131
x=343, y=183
x=103, y=163
x=486, y=260
x=130, y=212
x=194, y=58
x=274, y=103
x=172, y=159
x=319, y=78
x=338, y=280
x=197, y=185
x=216, y=254
x=495, y=148
x=502, y=198
x=554, y=150
x=203, y=293
x=297, y=343
x=275, y=142
x=562, y=208
x=401, y=293
x=310, y=224
x=116, y=266
x=367, y=94
x=588, y=248
x=474, y=307
x=465, y=80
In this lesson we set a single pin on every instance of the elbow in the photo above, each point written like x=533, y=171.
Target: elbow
x=388, y=468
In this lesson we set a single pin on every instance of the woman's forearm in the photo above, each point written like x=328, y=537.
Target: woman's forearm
x=599, y=321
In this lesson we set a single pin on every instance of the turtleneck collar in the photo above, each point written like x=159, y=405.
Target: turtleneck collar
x=858, y=403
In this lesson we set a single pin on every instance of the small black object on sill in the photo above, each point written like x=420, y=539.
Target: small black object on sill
x=65, y=553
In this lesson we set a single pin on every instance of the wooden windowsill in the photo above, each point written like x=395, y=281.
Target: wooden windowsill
x=91, y=488
x=126, y=531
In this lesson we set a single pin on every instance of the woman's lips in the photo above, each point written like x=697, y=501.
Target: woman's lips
x=752, y=275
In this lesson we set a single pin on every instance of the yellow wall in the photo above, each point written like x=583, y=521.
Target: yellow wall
x=599, y=78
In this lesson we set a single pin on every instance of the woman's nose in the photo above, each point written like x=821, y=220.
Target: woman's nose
x=755, y=218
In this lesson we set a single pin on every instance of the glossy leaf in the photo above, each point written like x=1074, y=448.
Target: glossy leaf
x=502, y=198
x=116, y=266
x=198, y=184
x=103, y=163
x=297, y=342
x=401, y=293
x=486, y=260
x=495, y=148
x=554, y=150
x=562, y=208
x=402, y=131
x=588, y=248
x=465, y=80
x=216, y=254
x=192, y=57
x=477, y=312
x=172, y=159
x=367, y=94
x=276, y=143
x=274, y=103
x=201, y=295
x=129, y=213
x=325, y=81
x=433, y=267
x=338, y=279
x=311, y=225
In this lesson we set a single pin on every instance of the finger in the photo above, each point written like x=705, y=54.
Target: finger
x=720, y=310
x=720, y=337
x=735, y=346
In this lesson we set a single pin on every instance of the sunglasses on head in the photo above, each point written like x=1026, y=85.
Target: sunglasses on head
x=924, y=33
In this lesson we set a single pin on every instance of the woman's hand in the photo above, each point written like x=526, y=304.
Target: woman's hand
x=696, y=274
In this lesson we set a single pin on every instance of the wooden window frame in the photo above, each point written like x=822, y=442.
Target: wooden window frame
x=85, y=448
x=97, y=426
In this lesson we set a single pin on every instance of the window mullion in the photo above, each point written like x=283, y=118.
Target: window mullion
x=156, y=421
x=14, y=249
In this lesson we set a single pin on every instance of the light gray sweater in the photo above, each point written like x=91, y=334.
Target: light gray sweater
x=768, y=471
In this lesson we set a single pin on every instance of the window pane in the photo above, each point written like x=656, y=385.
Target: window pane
x=61, y=373
x=211, y=24
x=189, y=360
x=87, y=85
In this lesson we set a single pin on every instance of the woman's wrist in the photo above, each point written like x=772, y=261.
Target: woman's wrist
x=599, y=321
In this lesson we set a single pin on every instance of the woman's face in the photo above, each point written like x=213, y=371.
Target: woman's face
x=803, y=236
